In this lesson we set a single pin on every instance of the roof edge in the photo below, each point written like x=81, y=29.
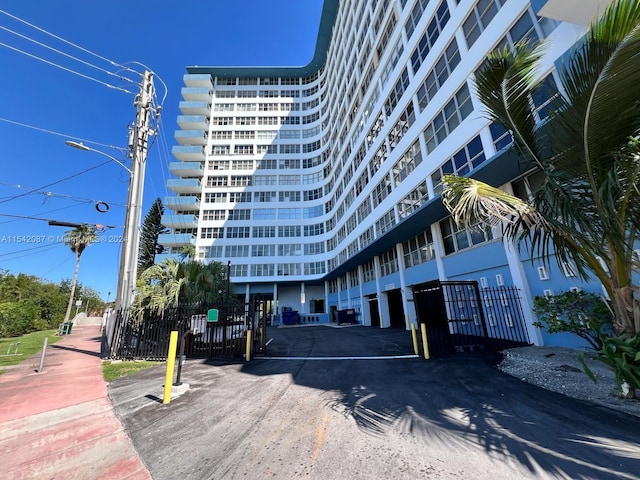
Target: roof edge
x=327, y=20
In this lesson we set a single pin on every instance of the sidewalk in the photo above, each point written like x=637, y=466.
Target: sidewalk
x=60, y=424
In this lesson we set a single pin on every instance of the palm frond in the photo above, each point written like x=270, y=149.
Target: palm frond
x=471, y=201
x=504, y=85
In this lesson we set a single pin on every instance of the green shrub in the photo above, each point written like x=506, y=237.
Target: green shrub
x=622, y=356
x=581, y=313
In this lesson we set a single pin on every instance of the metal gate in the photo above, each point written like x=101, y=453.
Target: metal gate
x=147, y=335
x=461, y=317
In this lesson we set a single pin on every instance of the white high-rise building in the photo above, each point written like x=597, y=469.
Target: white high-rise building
x=320, y=183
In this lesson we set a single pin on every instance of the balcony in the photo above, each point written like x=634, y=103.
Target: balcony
x=580, y=12
x=189, y=203
x=179, y=221
x=186, y=169
x=176, y=239
x=193, y=122
x=195, y=108
x=188, y=153
x=194, y=94
x=191, y=137
x=197, y=80
x=184, y=185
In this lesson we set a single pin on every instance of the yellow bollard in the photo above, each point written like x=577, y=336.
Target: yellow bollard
x=171, y=360
x=423, y=330
x=248, y=354
x=414, y=337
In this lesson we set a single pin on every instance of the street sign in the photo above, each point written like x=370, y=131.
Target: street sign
x=212, y=315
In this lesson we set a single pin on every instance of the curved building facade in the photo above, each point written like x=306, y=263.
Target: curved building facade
x=320, y=184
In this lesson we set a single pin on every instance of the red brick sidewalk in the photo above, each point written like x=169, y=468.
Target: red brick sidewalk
x=59, y=424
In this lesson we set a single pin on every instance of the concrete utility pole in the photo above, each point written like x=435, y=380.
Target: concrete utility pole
x=138, y=144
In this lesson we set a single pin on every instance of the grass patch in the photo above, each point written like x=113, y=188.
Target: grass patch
x=30, y=344
x=112, y=370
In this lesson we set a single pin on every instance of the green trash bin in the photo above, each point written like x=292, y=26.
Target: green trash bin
x=66, y=328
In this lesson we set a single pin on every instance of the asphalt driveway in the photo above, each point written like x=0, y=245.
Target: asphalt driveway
x=385, y=417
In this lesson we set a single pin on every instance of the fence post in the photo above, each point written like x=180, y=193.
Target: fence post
x=248, y=352
x=414, y=337
x=44, y=351
x=171, y=360
x=425, y=344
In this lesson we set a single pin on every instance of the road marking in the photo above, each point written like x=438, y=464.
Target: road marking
x=378, y=357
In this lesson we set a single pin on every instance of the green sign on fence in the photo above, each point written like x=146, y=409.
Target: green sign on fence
x=212, y=315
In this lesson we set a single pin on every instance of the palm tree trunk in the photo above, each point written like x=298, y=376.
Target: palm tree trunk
x=73, y=289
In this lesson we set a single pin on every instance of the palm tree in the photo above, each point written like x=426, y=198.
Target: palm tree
x=78, y=239
x=169, y=283
x=587, y=211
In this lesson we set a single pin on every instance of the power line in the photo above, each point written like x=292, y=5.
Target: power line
x=108, y=72
x=69, y=137
x=70, y=43
x=27, y=249
x=65, y=68
x=61, y=195
x=56, y=182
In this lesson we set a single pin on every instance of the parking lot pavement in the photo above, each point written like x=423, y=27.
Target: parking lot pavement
x=360, y=417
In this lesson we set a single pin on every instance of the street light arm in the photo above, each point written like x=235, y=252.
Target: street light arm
x=83, y=147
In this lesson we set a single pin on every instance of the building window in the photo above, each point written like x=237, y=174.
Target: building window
x=315, y=268
x=477, y=22
x=217, y=181
x=237, y=251
x=242, y=214
x=462, y=162
x=418, y=249
x=212, y=232
x=314, y=248
x=240, y=181
x=312, y=230
x=217, y=197
x=289, y=213
x=381, y=191
x=287, y=269
x=263, y=250
x=290, y=250
x=238, y=232
x=263, y=270
x=264, y=232
x=213, y=214
x=239, y=270
x=289, y=231
x=265, y=196
x=455, y=238
x=239, y=197
x=439, y=74
x=243, y=150
x=388, y=262
x=262, y=180
x=414, y=200
x=431, y=34
x=453, y=113
x=407, y=163
x=264, y=214
x=385, y=222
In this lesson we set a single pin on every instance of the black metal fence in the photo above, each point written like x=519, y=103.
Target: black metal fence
x=146, y=336
x=460, y=317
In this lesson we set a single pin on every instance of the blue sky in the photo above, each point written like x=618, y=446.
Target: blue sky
x=164, y=35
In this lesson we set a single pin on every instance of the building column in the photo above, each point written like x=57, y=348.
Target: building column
x=383, y=303
x=303, y=299
x=520, y=281
x=409, y=314
x=438, y=248
x=364, y=312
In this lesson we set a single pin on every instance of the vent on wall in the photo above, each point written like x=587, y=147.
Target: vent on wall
x=499, y=280
x=542, y=273
x=483, y=282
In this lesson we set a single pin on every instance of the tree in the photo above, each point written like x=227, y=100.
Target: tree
x=78, y=239
x=151, y=228
x=170, y=283
x=587, y=210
